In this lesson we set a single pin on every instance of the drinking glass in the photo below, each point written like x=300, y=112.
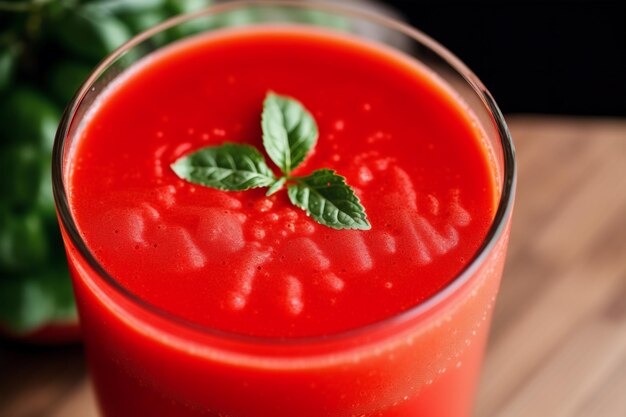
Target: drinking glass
x=422, y=362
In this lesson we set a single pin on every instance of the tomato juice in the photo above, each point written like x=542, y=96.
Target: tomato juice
x=253, y=309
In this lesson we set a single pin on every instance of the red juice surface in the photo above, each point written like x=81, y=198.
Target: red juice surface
x=245, y=263
x=251, y=265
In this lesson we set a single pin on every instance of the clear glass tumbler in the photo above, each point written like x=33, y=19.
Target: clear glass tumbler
x=422, y=362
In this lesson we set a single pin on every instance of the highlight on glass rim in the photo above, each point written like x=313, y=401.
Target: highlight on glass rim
x=302, y=208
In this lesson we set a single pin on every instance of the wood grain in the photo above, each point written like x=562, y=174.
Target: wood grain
x=558, y=341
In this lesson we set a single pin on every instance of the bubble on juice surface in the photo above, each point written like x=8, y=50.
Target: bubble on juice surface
x=438, y=242
x=295, y=304
x=166, y=195
x=136, y=227
x=158, y=159
x=150, y=211
x=258, y=232
x=182, y=149
x=433, y=204
x=404, y=189
x=263, y=205
x=302, y=252
x=381, y=173
x=459, y=216
x=413, y=242
x=421, y=226
x=365, y=175
x=178, y=241
x=333, y=281
x=224, y=200
x=142, y=229
x=219, y=132
x=125, y=227
x=381, y=243
x=350, y=251
x=304, y=227
x=220, y=231
x=245, y=268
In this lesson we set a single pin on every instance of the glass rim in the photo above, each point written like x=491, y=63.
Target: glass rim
x=497, y=228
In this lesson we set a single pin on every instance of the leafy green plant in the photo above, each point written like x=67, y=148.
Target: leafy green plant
x=47, y=50
x=289, y=135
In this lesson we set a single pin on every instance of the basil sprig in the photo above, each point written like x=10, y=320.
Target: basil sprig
x=289, y=134
x=229, y=167
x=289, y=131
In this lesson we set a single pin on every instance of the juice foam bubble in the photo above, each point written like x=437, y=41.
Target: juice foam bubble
x=220, y=231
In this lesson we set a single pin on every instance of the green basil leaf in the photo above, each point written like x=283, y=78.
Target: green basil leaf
x=138, y=22
x=21, y=168
x=175, y=7
x=26, y=115
x=33, y=300
x=230, y=167
x=327, y=198
x=193, y=26
x=276, y=186
x=99, y=33
x=124, y=6
x=23, y=241
x=289, y=131
x=8, y=61
x=64, y=78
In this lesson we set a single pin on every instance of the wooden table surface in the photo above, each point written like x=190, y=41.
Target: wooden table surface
x=558, y=341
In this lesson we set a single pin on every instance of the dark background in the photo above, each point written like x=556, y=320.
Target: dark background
x=557, y=57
